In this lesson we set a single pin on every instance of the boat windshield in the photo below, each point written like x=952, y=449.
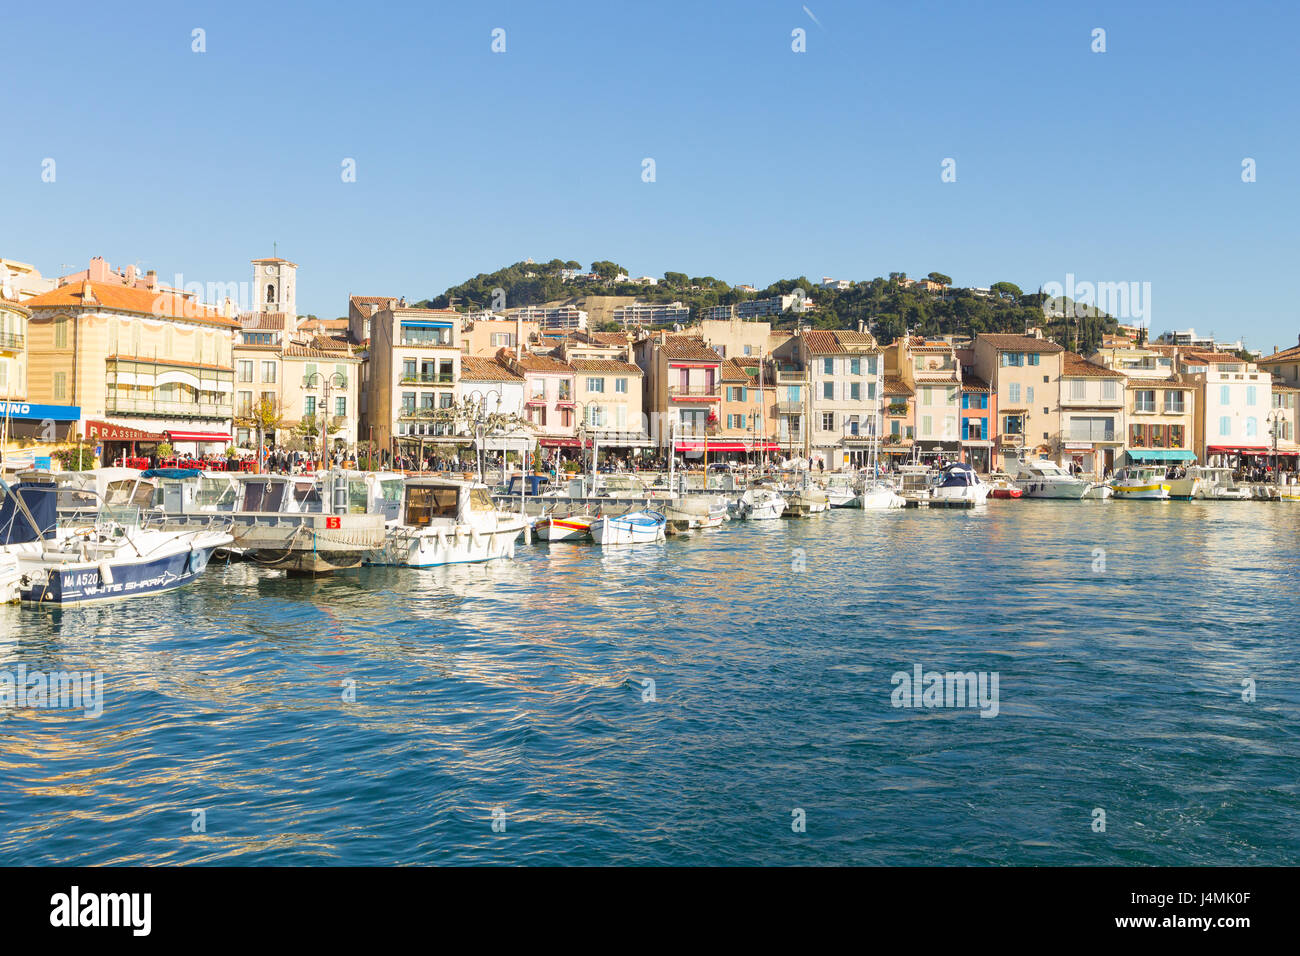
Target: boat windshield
x=215, y=493
x=263, y=495
x=426, y=502
x=480, y=499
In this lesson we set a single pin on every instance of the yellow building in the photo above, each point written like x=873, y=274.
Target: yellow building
x=13, y=350
x=414, y=359
x=154, y=362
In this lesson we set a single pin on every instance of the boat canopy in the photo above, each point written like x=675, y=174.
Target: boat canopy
x=957, y=475
x=41, y=499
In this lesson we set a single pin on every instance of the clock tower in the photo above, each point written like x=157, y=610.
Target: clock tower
x=273, y=286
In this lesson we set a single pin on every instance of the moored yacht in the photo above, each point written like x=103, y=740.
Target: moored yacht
x=959, y=481
x=447, y=521
x=1047, y=479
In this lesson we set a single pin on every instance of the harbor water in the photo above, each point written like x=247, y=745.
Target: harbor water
x=724, y=698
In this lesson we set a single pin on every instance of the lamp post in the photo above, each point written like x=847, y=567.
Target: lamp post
x=327, y=382
x=1275, y=419
x=480, y=429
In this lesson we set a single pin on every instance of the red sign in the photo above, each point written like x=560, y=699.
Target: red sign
x=103, y=431
x=333, y=523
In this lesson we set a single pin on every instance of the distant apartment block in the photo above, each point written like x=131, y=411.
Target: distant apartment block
x=757, y=308
x=553, y=317
x=652, y=313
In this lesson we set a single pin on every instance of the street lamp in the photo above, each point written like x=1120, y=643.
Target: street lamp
x=326, y=384
x=480, y=430
x=1275, y=418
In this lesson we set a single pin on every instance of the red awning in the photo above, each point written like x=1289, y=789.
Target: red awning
x=103, y=431
x=1237, y=450
x=198, y=436
x=560, y=443
x=729, y=446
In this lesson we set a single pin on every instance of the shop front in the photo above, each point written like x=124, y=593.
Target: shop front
x=122, y=445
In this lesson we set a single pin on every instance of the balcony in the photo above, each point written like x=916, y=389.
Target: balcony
x=696, y=393
x=12, y=342
x=441, y=378
x=155, y=408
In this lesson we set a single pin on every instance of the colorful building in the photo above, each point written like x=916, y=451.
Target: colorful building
x=1024, y=376
x=1092, y=415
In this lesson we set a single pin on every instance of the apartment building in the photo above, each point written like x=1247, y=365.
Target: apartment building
x=414, y=361
x=652, y=313
x=156, y=362
x=899, y=400
x=13, y=348
x=844, y=370
x=486, y=335
x=562, y=317
x=931, y=370
x=1159, y=420
x=1091, y=414
x=1233, y=401
x=550, y=397
x=609, y=403
x=683, y=384
x=1024, y=376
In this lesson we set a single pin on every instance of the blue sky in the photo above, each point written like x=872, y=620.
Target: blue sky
x=1116, y=166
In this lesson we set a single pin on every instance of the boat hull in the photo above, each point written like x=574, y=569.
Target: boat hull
x=432, y=550
x=626, y=529
x=1158, y=492
x=311, y=544
x=84, y=581
x=564, y=529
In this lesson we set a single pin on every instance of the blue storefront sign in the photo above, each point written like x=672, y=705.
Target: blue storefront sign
x=54, y=413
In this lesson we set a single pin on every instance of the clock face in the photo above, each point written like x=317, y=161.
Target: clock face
x=272, y=270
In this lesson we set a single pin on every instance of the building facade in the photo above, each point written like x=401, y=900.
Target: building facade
x=1092, y=415
x=1024, y=376
x=414, y=361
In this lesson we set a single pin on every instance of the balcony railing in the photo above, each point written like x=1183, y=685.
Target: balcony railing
x=148, y=406
x=441, y=378
x=13, y=341
x=694, y=391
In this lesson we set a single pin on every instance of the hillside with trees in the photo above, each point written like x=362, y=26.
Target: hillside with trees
x=888, y=306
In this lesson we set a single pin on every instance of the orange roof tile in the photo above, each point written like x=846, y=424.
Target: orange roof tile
x=164, y=305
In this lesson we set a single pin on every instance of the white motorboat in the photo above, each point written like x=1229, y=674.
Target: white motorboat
x=840, y=491
x=694, y=513
x=1047, y=479
x=915, y=481
x=448, y=521
x=879, y=496
x=760, y=504
x=635, y=527
x=1141, y=483
x=1099, y=491
x=10, y=574
x=114, y=557
x=959, y=481
x=1217, y=484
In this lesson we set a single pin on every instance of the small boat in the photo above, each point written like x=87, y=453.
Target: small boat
x=1001, y=486
x=635, y=527
x=1099, y=491
x=959, y=480
x=448, y=521
x=916, y=481
x=805, y=500
x=1046, y=479
x=570, y=528
x=694, y=513
x=1141, y=483
x=760, y=504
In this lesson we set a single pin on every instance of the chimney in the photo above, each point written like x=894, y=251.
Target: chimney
x=87, y=292
x=130, y=275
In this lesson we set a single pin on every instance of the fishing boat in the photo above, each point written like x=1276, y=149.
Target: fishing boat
x=635, y=527
x=568, y=528
x=806, y=499
x=1046, y=479
x=447, y=521
x=694, y=513
x=915, y=481
x=1141, y=483
x=760, y=504
x=112, y=558
x=959, y=480
x=307, y=524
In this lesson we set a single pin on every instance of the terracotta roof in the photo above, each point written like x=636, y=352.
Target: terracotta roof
x=1279, y=387
x=733, y=372
x=848, y=337
x=276, y=259
x=607, y=338
x=305, y=351
x=1286, y=355
x=11, y=304
x=973, y=383
x=604, y=365
x=476, y=368
x=330, y=343
x=688, y=347
x=1208, y=357
x=271, y=321
x=1019, y=343
x=119, y=298
x=1170, y=383
x=1075, y=365
x=532, y=362
x=895, y=386
x=822, y=342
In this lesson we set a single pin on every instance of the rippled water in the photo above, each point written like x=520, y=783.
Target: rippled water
x=519, y=686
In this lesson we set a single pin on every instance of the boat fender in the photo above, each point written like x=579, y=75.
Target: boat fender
x=442, y=539
x=475, y=539
x=105, y=573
